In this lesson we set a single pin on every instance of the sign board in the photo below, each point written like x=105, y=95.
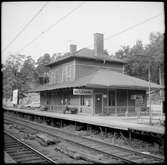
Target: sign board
x=15, y=96
x=82, y=92
x=139, y=101
x=133, y=97
x=104, y=96
x=162, y=98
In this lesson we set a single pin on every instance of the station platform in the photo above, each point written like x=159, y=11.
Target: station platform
x=122, y=123
x=8, y=159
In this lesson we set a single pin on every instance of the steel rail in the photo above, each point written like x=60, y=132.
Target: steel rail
x=102, y=142
x=18, y=143
x=74, y=136
x=35, y=127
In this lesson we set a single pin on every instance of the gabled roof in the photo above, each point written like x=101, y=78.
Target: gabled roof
x=104, y=78
x=87, y=54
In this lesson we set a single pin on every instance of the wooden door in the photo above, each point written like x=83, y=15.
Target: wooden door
x=98, y=103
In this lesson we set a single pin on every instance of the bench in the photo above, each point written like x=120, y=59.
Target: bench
x=70, y=110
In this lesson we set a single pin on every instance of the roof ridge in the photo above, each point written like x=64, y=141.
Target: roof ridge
x=82, y=49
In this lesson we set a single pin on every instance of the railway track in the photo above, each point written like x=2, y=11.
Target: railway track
x=111, y=151
x=22, y=153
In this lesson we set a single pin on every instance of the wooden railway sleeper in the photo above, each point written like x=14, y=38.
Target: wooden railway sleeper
x=71, y=135
x=134, y=157
x=15, y=151
x=12, y=146
x=145, y=160
x=27, y=158
x=23, y=154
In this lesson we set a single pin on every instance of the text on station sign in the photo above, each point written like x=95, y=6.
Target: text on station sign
x=82, y=92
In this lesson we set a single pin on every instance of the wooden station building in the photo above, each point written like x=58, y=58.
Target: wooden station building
x=93, y=82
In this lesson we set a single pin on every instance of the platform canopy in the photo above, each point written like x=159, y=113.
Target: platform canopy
x=104, y=78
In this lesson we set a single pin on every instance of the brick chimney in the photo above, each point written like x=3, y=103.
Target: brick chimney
x=98, y=44
x=73, y=49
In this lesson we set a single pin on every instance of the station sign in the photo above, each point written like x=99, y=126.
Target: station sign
x=139, y=102
x=133, y=97
x=161, y=98
x=82, y=92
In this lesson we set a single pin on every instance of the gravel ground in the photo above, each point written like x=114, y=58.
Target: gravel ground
x=62, y=158
x=138, y=145
x=70, y=150
x=28, y=136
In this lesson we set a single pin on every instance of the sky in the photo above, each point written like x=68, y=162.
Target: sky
x=75, y=22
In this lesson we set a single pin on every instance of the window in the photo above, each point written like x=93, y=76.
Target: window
x=65, y=100
x=67, y=73
x=82, y=100
x=85, y=101
x=111, y=98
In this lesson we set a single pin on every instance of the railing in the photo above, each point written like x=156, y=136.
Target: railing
x=56, y=108
x=119, y=110
x=60, y=108
x=107, y=110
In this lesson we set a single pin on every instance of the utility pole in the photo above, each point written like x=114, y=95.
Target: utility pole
x=161, y=82
x=149, y=84
x=149, y=79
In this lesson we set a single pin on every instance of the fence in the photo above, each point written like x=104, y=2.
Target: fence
x=119, y=110
x=107, y=110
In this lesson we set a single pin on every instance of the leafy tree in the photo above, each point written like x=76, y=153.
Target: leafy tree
x=18, y=73
x=106, y=52
x=123, y=53
x=41, y=64
x=55, y=56
x=137, y=65
x=42, y=69
x=27, y=75
x=11, y=74
x=156, y=50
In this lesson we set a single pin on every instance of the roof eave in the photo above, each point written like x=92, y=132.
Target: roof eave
x=82, y=57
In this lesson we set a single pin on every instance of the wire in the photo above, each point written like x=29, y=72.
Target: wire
x=131, y=27
x=50, y=27
x=26, y=25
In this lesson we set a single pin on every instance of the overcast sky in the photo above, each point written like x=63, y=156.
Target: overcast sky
x=78, y=27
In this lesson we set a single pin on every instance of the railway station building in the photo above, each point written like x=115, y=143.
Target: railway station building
x=93, y=83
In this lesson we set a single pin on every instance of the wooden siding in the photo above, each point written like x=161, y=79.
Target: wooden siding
x=75, y=69
x=84, y=68
x=124, y=105
x=62, y=73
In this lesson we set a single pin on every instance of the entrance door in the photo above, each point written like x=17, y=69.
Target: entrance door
x=98, y=103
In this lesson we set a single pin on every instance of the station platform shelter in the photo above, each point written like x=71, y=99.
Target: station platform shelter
x=104, y=92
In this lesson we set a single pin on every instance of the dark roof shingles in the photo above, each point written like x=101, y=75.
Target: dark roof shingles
x=104, y=78
x=89, y=54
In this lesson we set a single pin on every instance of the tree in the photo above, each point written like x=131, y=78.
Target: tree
x=41, y=68
x=138, y=66
x=156, y=50
x=11, y=74
x=123, y=53
x=27, y=75
x=41, y=64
